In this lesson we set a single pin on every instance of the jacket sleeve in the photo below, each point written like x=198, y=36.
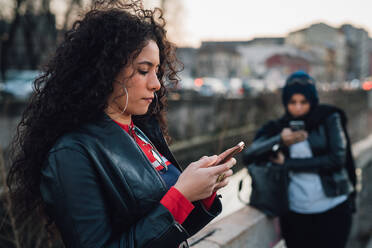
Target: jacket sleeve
x=261, y=148
x=200, y=216
x=76, y=202
x=334, y=158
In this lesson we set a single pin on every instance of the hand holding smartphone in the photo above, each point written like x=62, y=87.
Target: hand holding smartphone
x=297, y=125
x=227, y=155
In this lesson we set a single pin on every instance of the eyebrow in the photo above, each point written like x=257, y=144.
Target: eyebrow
x=146, y=63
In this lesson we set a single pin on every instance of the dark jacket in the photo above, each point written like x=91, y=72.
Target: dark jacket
x=102, y=191
x=329, y=146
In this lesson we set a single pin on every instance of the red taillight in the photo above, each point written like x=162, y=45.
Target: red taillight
x=198, y=82
x=367, y=85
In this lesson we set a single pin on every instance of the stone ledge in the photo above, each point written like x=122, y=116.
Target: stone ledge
x=246, y=227
x=369, y=245
x=362, y=151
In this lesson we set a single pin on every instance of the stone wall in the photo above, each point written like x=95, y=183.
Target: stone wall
x=209, y=125
x=207, y=115
x=217, y=117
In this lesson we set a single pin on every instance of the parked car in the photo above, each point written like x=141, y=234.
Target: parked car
x=212, y=87
x=355, y=84
x=236, y=88
x=184, y=89
x=257, y=86
x=187, y=84
x=247, y=88
x=18, y=84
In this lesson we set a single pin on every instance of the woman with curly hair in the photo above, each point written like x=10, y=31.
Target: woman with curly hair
x=91, y=152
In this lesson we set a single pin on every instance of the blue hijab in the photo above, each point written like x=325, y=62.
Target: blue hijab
x=300, y=82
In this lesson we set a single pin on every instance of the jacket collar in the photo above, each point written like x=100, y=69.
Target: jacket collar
x=150, y=126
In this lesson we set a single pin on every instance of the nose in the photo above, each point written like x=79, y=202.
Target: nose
x=154, y=83
x=299, y=108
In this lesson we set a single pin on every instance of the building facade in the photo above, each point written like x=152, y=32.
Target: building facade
x=219, y=60
x=328, y=48
x=358, y=49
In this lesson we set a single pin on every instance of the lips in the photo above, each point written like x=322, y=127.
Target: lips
x=149, y=99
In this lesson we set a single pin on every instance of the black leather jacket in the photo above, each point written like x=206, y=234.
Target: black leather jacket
x=329, y=147
x=102, y=191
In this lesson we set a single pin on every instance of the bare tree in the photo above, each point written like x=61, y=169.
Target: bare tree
x=23, y=24
x=72, y=7
x=174, y=14
x=8, y=39
x=28, y=26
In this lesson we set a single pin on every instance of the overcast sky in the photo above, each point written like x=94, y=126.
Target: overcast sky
x=245, y=19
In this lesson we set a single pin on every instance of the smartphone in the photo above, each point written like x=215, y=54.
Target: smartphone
x=229, y=153
x=297, y=125
x=226, y=155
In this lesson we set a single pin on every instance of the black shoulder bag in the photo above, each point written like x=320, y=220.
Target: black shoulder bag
x=269, y=188
x=269, y=180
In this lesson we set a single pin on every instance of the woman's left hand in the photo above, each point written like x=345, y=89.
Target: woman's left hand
x=200, y=179
x=290, y=137
x=279, y=159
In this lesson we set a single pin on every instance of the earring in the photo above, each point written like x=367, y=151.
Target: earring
x=126, y=101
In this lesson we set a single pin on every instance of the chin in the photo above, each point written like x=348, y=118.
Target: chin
x=299, y=115
x=141, y=112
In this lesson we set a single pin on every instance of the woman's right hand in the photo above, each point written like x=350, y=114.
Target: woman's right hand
x=199, y=180
x=290, y=137
x=279, y=159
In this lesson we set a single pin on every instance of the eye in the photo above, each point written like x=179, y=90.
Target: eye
x=142, y=72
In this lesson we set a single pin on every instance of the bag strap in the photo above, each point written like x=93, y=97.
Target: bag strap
x=240, y=185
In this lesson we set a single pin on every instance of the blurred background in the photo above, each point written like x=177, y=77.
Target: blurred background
x=236, y=57
x=231, y=48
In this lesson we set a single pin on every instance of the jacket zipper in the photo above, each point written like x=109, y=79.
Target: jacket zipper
x=157, y=173
x=164, y=141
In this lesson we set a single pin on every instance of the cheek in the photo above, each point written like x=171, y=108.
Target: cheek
x=133, y=89
x=291, y=108
x=306, y=108
x=133, y=98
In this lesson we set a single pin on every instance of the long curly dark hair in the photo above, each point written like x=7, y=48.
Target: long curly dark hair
x=75, y=84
